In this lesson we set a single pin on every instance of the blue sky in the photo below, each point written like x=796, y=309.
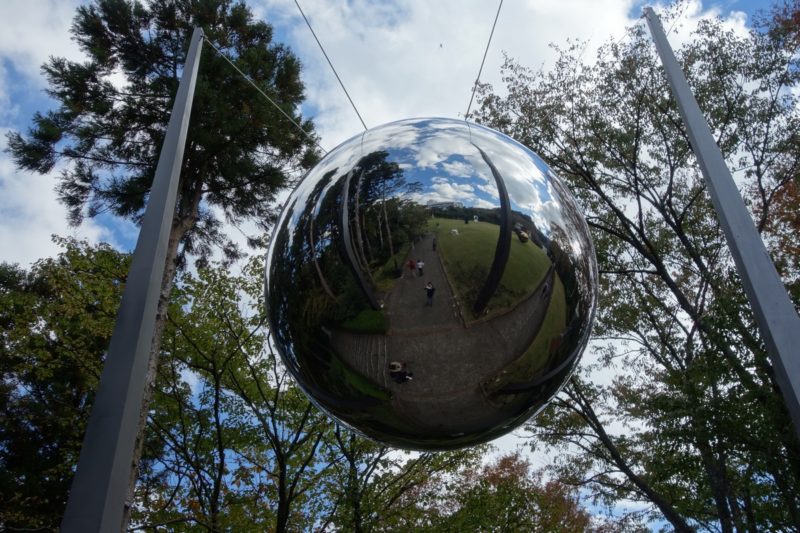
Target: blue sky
x=399, y=60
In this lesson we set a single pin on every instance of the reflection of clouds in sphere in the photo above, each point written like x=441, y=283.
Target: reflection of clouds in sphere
x=512, y=280
x=437, y=150
x=445, y=190
x=545, y=210
x=458, y=169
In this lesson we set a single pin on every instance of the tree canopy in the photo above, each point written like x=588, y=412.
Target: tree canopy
x=112, y=111
x=55, y=322
x=692, y=423
x=232, y=444
x=240, y=150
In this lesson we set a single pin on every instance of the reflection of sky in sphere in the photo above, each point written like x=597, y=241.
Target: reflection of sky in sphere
x=440, y=155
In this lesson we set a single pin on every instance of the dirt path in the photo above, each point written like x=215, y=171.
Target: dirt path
x=405, y=305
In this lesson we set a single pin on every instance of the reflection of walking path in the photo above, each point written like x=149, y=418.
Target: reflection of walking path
x=449, y=361
x=405, y=304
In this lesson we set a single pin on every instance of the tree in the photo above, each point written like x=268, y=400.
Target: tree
x=240, y=440
x=239, y=152
x=706, y=438
x=55, y=323
x=783, y=22
x=280, y=415
x=232, y=442
x=242, y=448
x=374, y=488
x=507, y=495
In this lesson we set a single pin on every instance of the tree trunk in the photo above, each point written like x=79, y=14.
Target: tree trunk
x=386, y=221
x=669, y=512
x=380, y=229
x=320, y=275
x=180, y=226
x=216, y=496
x=715, y=481
x=353, y=492
x=359, y=236
x=370, y=256
x=283, y=500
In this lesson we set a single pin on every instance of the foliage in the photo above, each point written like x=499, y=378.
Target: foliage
x=506, y=495
x=55, y=323
x=106, y=134
x=233, y=445
x=374, y=488
x=700, y=431
x=366, y=321
x=239, y=147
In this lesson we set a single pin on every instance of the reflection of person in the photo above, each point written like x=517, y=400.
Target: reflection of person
x=398, y=372
x=420, y=266
x=412, y=266
x=429, y=290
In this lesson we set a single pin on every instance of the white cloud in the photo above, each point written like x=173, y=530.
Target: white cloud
x=31, y=213
x=458, y=169
x=422, y=58
x=30, y=32
x=689, y=16
x=29, y=209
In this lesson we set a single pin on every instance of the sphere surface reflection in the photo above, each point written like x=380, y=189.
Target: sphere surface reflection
x=431, y=284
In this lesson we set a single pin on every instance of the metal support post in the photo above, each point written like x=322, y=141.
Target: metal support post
x=97, y=497
x=774, y=312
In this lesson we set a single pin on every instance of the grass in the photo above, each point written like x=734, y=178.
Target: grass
x=385, y=276
x=366, y=321
x=468, y=258
x=536, y=357
x=353, y=381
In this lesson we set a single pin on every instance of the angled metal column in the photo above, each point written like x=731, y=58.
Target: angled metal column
x=347, y=242
x=502, y=249
x=97, y=496
x=774, y=311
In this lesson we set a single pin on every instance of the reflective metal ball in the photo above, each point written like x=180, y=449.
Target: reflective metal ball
x=431, y=284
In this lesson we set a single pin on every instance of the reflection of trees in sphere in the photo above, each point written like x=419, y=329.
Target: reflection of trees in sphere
x=431, y=284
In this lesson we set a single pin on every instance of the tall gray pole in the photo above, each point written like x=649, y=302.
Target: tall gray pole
x=775, y=314
x=97, y=497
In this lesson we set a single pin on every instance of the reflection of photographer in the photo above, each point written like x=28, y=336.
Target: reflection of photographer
x=398, y=372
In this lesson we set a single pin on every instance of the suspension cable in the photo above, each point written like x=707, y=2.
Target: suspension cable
x=331, y=64
x=485, y=52
x=264, y=94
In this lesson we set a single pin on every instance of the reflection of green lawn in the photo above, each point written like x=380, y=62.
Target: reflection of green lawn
x=531, y=363
x=351, y=380
x=367, y=321
x=468, y=257
x=386, y=275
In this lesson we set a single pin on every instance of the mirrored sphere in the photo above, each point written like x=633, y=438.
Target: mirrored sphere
x=431, y=284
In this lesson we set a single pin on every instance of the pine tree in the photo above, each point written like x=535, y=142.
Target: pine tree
x=107, y=134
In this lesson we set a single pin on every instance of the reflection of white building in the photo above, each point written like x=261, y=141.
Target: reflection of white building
x=444, y=205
